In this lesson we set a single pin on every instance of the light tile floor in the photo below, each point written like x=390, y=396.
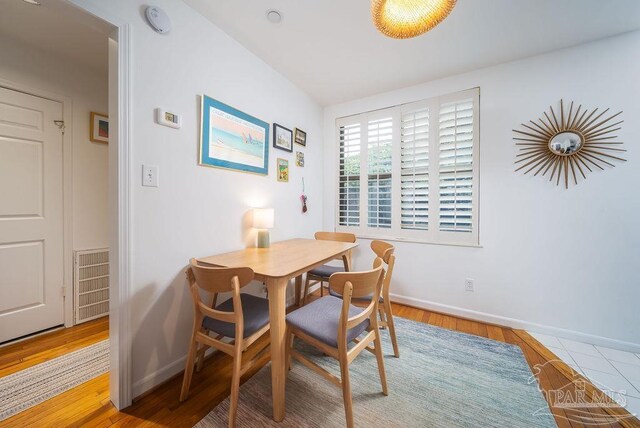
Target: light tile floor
x=607, y=368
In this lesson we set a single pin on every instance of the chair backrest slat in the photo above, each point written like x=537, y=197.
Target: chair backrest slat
x=363, y=283
x=218, y=279
x=339, y=237
x=218, y=315
x=335, y=236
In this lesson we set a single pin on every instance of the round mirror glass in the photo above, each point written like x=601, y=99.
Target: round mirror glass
x=565, y=143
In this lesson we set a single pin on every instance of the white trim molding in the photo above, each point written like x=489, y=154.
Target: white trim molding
x=120, y=172
x=516, y=323
x=120, y=80
x=159, y=376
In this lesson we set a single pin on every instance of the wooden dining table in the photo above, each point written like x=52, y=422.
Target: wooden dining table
x=276, y=266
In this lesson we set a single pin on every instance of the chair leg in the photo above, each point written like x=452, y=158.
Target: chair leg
x=306, y=290
x=235, y=387
x=346, y=390
x=288, y=346
x=321, y=288
x=201, y=352
x=380, y=358
x=298, y=289
x=392, y=328
x=188, y=370
x=382, y=318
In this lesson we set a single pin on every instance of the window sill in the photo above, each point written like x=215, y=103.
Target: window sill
x=416, y=241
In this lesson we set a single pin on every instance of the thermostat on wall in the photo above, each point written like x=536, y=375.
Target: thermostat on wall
x=166, y=118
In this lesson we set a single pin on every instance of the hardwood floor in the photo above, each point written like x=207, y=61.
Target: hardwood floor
x=88, y=404
x=39, y=349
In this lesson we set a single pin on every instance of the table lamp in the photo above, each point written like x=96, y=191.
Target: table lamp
x=263, y=221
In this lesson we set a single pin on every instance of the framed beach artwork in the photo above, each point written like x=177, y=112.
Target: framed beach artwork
x=232, y=139
x=283, y=170
x=282, y=138
x=99, y=128
x=300, y=137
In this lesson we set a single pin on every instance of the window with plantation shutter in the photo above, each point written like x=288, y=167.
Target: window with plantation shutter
x=410, y=172
x=349, y=192
x=379, y=134
x=456, y=166
x=414, y=170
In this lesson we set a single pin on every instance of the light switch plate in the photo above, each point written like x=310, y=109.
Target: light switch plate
x=150, y=175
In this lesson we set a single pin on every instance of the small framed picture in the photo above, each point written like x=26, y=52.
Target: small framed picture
x=282, y=138
x=99, y=128
x=300, y=137
x=283, y=170
x=299, y=159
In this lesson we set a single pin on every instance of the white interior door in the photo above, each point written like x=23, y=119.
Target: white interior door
x=31, y=216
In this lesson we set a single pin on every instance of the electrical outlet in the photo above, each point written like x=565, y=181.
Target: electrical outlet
x=468, y=284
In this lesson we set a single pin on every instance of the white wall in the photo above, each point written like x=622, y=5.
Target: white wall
x=552, y=260
x=198, y=211
x=88, y=91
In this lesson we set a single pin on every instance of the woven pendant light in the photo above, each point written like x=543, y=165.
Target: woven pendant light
x=403, y=19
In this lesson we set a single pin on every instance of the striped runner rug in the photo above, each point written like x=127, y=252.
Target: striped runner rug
x=443, y=378
x=28, y=387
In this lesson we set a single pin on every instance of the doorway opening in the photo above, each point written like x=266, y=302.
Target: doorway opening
x=63, y=235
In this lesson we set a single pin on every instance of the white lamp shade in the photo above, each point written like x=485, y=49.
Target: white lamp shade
x=263, y=218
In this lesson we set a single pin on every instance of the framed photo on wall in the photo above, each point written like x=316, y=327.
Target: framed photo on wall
x=282, y=138
x=232, y=139
x=99, y=128
x=283, y=170
x=300, y=137
x=299, y=158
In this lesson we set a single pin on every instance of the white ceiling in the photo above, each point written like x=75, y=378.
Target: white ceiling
x=331, y=49
x=58, y=28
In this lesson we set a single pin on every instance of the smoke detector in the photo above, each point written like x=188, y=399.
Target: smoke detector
x=158, y=19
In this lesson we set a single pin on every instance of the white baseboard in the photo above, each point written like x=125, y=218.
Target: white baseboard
x=161, y=375
x=519, y=324
x=157, y=377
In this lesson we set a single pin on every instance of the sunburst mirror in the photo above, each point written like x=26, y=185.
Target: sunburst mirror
x=569, y=143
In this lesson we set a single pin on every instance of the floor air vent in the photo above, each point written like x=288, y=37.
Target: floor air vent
x=91, y=284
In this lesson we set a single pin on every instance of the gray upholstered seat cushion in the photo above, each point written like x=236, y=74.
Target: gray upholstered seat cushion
x=366, y=298
x=319, y=319
x=325, y=271
x=255, y=311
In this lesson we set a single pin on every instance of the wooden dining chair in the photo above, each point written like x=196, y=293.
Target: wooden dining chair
x=384, y=251
x=330, y=324
x=322, y=273
x=243, y=318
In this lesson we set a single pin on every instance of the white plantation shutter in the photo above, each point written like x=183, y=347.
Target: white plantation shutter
x=456, y=166
x=379, y=143
x=410, y=172
x=349, y=187
x=414, y=169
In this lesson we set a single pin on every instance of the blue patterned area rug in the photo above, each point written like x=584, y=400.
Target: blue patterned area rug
x=442, y=379
x=28, y=387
